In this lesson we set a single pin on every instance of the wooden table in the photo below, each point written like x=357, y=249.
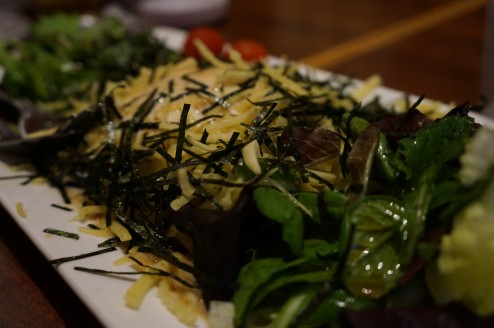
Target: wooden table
x=431, y=47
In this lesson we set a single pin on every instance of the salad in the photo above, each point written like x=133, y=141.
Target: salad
x=278, y=200
x=68, y=58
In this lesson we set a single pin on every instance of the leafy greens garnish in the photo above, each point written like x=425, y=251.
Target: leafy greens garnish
x=66, y=55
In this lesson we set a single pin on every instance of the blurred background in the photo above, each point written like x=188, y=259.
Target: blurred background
x=439, y=48
x=431, y=47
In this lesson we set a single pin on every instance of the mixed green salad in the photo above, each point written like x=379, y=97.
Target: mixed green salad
x=349, y=215
x=72, y=57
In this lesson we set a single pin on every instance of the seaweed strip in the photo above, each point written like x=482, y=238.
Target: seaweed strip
x=68, y=209
x=82, y=256
x=61, y=233
x=109, y=242
x=181, y=133
x=159, y=138
x=158, y=272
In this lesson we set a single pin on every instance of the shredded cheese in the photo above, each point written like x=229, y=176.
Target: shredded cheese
x=250, y=155
x=134, y=295
x=120, y=231
x=20, y=210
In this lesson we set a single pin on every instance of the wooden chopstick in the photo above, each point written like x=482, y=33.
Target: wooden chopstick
x=392, y=33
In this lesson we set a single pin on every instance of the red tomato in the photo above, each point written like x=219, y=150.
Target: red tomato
x=250, y=50
x=209, y=36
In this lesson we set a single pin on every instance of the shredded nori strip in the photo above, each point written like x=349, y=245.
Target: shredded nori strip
x=20, y=176
x=181, y=133
x=61, y=233
x=155, y=273
x=82, y=256
x=110, y=242
x=65, y=208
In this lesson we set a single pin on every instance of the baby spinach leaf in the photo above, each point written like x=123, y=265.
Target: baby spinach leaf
x=292, y=308
x=439, y=142
x=416, y=209
x=319, y=248
x=311, y=202
x=427, y=152
x=328, y=310
x=277, y=207
x=253, y=275
x=260, y=278
x=335, y=203
x=372, y=266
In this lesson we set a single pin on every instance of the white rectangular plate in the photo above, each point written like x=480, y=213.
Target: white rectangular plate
x=102, y=294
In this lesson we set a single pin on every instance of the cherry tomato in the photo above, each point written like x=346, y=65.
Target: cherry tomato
x=209, y=36
x=250, y=50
